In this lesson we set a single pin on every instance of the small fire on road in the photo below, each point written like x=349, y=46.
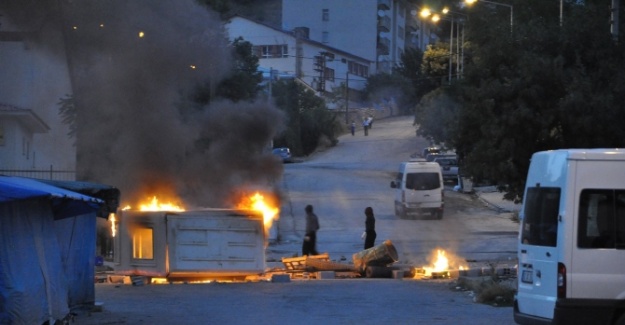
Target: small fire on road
x=442, y=263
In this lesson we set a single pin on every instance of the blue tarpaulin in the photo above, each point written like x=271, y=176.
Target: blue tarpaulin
x=47, y=249
x=65, y=203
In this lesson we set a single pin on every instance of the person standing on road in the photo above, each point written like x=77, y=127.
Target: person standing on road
x=309, y=247
x=353, y=128
x=365, y=126
x=369, y=233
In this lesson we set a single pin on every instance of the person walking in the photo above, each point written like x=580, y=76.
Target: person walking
x=365, y=126
x=353, y=128
x=369, y=233
x=309, y=247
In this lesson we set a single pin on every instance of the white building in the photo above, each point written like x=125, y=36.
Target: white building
x=377, y=30
x=17, y=128
x=34, y=76
x=317, y=65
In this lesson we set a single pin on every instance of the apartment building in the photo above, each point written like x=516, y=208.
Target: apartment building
x=292, y=53
x=377, y=30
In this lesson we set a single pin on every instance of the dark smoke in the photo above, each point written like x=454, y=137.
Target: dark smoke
x=130, y=92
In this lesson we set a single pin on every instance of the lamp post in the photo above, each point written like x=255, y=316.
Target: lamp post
x=470, y=2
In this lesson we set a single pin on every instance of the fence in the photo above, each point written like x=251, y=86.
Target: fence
x=50, y=174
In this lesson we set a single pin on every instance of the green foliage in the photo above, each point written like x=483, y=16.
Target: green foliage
x=67, y=110
x=435, y=63
x=542, y=86
x=244, y=81
x=309, y=119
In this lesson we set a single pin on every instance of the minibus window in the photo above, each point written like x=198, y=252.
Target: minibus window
x=422, y=181
x=601, y=219
x=540, y=217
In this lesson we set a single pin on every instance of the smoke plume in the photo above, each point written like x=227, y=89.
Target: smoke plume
x=134, y=64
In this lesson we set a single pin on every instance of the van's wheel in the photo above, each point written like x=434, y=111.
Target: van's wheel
x=620, y=320
x=439, y=214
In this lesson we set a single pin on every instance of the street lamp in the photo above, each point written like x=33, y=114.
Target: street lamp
x=470, y=2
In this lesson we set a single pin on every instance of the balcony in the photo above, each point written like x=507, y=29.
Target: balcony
x=384, y=46
x=384, y=24
x=384, y=4
x=412, y=25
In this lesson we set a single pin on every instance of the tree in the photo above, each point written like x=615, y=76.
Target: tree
x=67, y=110
x=410, y=67
x=310, y=122
x=542, y=87
x=384, y=87
x=435, y=64
x=244, y=81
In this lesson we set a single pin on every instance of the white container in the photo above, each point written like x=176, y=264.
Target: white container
x=216, y=243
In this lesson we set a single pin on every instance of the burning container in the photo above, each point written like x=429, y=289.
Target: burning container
x=205, y=244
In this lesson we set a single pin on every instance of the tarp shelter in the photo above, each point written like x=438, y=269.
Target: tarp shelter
x=47, y=248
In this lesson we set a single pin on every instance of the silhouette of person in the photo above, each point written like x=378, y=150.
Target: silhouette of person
x=369, y=228
x=309, y=247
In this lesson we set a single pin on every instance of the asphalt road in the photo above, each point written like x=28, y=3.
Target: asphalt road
x=340, y=182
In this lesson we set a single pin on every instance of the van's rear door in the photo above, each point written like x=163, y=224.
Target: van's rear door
x=423, y=189
x=538, y=254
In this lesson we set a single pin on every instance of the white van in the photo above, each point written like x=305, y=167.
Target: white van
x=572, y=239
x=419, y=188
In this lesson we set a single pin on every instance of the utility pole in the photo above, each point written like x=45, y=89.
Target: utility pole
x=270, y=80
x=347, y=97
x=451, y=48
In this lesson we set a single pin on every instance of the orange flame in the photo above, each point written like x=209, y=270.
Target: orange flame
x=257, y=202
x=441, y=263
x=155, y=205
x=112, y=219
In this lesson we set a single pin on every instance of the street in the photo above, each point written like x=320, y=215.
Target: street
x=340, y=183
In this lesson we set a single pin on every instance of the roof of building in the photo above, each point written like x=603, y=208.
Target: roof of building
x=307, y=40
x=26, y=116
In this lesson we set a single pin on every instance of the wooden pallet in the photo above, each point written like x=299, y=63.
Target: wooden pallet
x=311, y=263
x=300, y=263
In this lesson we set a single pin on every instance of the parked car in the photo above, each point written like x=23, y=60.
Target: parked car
x=284, y=154
x=449, y=167
x=429, y=150
x=432, y=156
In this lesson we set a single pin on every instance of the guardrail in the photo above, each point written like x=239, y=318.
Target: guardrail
x=49, y=174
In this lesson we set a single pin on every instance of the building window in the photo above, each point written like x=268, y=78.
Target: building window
x=271, y=51
x=143, y=244
x=358, y=69
x=328, y=74
x=325, y=37
x=401, y=32
x=325, y=14
x=1, y=136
